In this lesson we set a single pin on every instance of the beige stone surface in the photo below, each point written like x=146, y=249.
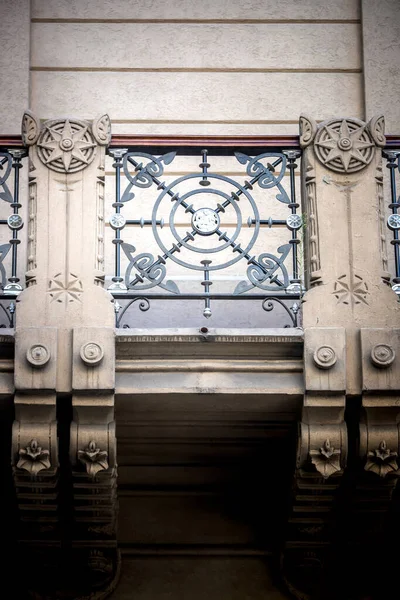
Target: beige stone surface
x=223, y=96
x=190, y=9
x=90, y=344
x=381, y=52
x=14, y=63
x=231, y=46
x=325, y=344
x=28, y=376
x=384, y=377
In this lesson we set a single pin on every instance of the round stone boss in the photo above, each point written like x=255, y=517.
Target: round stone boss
x=38, y=355
x=325, y=357
x=382, y=355
x=91, y=353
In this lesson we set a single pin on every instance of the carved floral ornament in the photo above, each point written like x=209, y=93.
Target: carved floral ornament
x=33, y=458
x=66, y=145
x=344, y=145
x=382, y=461
x=93, y=458
x=326, y=459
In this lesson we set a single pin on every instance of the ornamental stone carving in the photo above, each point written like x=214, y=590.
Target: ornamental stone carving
x=326, y=459
x=101, y=129
x=33, y=458
x=93, y=458
x=30, y=128
x=308, y=129
x=344, y=145
x=92, y=354
x=382, y=461
x=38, y=355
x=66, y=145
x=382, y=355
x=325, y=357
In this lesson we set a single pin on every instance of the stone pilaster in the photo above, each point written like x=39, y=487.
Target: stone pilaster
x=349, y=311
x=65, y=355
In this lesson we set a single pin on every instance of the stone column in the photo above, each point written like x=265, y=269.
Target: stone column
x=349, y=312
x=65, y=350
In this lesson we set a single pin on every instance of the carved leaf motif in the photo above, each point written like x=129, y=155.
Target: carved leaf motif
x=30, y=128
x=308, y=129
x=382, y=461
x=33, y=458
x=326, y=460
x=93, y=458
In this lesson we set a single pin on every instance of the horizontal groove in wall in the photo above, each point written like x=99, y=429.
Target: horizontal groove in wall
x=133, y=366
x=202, y=21
x=204, y=122
x=186, y=70
x=192, y=551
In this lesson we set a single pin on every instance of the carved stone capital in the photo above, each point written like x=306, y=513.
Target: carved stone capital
x=66, y=145
x=344, y=145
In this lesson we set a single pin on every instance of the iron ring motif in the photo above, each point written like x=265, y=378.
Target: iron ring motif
x=382, y=356
x=184, y=241
x=91, y=353
x=325, y=357
x=38, y=355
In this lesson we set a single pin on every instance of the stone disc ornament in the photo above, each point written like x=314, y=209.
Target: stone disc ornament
x=66, y=146
x=344, y=145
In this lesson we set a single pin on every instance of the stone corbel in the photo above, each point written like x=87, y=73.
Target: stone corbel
x=93, y=455
x=321, y=460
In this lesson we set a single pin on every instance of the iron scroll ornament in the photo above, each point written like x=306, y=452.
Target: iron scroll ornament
x=200, y=211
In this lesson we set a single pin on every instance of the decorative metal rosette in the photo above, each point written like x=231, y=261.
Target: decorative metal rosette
x=394, y=221
x=15, y=222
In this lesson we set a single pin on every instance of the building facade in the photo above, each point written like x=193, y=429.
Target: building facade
x=221, y=450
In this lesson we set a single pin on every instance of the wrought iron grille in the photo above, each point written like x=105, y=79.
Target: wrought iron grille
x=393, y=218
x=212, y=234
x=10, y=218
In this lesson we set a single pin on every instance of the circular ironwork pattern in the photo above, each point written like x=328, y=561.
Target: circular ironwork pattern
x=394, y=221
x=345, y=145
x=382, y=355
x=325, y=357
x=38, y=355
x=66, y=146
x=206, y=221
x=91, y=353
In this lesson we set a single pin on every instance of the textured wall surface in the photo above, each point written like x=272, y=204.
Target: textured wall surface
x=381, y=41
x=184, y=68
x=14, y=63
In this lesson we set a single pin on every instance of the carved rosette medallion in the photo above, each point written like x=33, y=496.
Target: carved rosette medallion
x=344, y=145
x=38, y=355
x=325, y=357
x=33, y=458
x=382, y=356
x=66, y=146
x=92, y=354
